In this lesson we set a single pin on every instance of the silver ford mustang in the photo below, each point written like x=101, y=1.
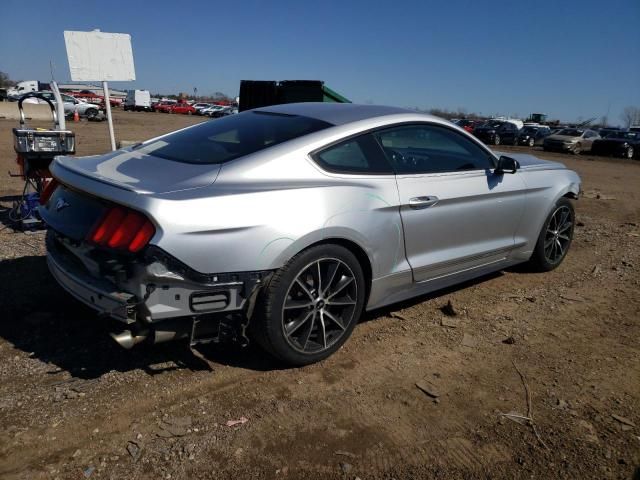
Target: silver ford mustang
x=282, y=224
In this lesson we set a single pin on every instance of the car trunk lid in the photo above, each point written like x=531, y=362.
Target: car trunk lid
x=140, y=172
x=71, y=212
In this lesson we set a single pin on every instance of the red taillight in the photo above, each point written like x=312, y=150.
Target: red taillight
x=127, y=229
x=122, y=229
x=47, y=191
x=142, y=237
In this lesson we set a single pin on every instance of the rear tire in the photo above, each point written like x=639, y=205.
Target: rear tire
x=531, y=142
x=555, y=237
x=311, y=305
x=496, y=140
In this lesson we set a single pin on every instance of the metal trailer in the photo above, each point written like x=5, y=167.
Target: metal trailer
x=263, y=93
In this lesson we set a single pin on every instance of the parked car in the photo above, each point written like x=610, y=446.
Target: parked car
x=620, y=143
x=164, y=106
x=495, y=132
x=467, y=124
x=71, y=104
x=574, y=140
x=222, y=112
x=183, y=108
x=210, y=111
x=532, y=136
x=634, y=128
x=284, y=223
x=603, y=132
x=200, y=106
x=95, y=98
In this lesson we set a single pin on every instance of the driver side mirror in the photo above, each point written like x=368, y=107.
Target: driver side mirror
x=506, y=165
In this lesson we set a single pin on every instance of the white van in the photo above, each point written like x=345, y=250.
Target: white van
x=138, y=101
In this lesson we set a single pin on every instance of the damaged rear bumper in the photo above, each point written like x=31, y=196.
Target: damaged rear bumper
x=153, y=293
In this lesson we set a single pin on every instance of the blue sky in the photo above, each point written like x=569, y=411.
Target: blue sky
x=570, y=59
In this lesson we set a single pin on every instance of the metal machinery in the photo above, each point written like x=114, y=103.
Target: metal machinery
x=36, y=149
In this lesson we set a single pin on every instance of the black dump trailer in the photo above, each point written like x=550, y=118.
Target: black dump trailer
x=262, y=93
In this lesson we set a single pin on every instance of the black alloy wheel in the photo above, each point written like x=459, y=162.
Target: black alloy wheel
x=555, y=238
x=311, y=305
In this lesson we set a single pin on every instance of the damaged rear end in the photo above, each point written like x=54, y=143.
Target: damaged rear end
x=102, y=248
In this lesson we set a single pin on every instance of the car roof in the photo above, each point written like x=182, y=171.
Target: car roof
x=338, y=113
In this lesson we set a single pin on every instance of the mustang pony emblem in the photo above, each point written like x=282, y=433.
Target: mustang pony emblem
x=61, y=204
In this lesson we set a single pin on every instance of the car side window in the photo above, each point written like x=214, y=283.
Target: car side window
x=359, y=155
x=419, y=149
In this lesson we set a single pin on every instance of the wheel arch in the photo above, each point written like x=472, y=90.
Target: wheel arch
x=355, y=247
x=359, y=253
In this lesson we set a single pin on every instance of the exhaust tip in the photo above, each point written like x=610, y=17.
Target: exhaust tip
x=127, y=340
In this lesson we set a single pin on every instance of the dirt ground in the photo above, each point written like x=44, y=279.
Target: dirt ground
x=74, y=405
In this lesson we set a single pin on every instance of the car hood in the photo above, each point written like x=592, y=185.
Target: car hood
x=531, y=162
x=137, y=172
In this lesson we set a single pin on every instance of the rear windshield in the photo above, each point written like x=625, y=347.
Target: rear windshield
x=228, y=138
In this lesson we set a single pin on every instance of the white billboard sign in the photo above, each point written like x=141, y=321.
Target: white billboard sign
x=99, y=56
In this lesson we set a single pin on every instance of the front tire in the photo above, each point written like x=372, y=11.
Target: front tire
x=531, y=142
x=91, y=113
x=555, y=238
x=496, y=140
x=311, y=305
x=629, y=152
x=577, y=150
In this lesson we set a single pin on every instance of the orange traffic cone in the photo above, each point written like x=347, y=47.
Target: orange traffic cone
x=76, y=115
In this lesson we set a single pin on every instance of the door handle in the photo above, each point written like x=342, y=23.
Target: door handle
x=418, y=203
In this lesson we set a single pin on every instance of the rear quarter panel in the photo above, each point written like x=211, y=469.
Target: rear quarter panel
x=261, y=212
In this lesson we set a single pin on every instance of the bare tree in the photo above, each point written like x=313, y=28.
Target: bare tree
x=631, y=116
x=5, y=81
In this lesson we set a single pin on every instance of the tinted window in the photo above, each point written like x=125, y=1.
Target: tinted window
x=431, y=149
x=357, y=155
x=231, y=137
x=623, y=135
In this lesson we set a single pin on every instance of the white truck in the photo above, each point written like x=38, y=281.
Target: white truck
x=138, y=101
x=26, y=86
